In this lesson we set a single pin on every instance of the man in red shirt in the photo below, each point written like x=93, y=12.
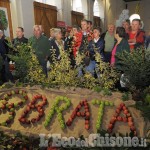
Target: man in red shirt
x=77, y=39
x=136, y=35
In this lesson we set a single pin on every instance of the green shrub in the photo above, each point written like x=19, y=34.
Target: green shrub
x=147, y=99
x=98, y=89
x=61, y=72
x=27, y=68
x=136, y=71
x=108, y=75
x=4, y=20
x=107, y=92
x=125, y=96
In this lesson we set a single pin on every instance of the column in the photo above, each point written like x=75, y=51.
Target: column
x=22, y=12
x=90, y=4
x=85, y=8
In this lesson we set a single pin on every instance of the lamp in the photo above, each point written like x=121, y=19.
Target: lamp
x=134, y=16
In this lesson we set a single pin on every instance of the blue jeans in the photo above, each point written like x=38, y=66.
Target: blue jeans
x=90, y=68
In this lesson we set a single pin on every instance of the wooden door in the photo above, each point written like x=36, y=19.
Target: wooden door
x=76, y=18
x=97, y=21
x=6, y=24
x=45, y=15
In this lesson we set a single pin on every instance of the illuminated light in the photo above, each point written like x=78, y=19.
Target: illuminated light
x=134, y=16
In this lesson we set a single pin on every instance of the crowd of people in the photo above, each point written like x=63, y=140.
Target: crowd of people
x=80, y=40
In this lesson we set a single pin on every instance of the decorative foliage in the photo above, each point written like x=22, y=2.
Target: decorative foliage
x=125, y=96
x=61, y=73
x=27, y=68
x=108, y=76
x=3, y=20
x=35, y=73
x=144, y=108
x=136, y=71
x=87, y=81
x=18, y=141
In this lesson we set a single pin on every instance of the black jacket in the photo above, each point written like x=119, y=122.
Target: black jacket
x=54, y=49
x=18, y=41
x=3, y=47
x=122, y=46
x=98, y=46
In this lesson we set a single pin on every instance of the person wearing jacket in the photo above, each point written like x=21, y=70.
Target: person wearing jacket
x=87, y=36
x=120, y=46
x=4, y=49
x=77, y=39
x=136, y=35
x=57, y=44
x=20, y=39
x=97, y=44
x=41, y=46
x=147, y=41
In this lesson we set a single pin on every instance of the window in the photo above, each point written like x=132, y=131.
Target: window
x=98, y=9
x=49, y=2
x=41, y=1
x=77, y=5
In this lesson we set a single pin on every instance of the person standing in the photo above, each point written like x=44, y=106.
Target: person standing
x=77, y=39
x=120, y=46
x=126, y=26
x=4, y=41
x=4, y=50
x=41, y=46
x=109, y=39
x=57, y=45
x=20, y=39
x=147, y=42
x=87, y=36
x=96, y=45
x=51, y=34
x=90, y=25
x=136, y=35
